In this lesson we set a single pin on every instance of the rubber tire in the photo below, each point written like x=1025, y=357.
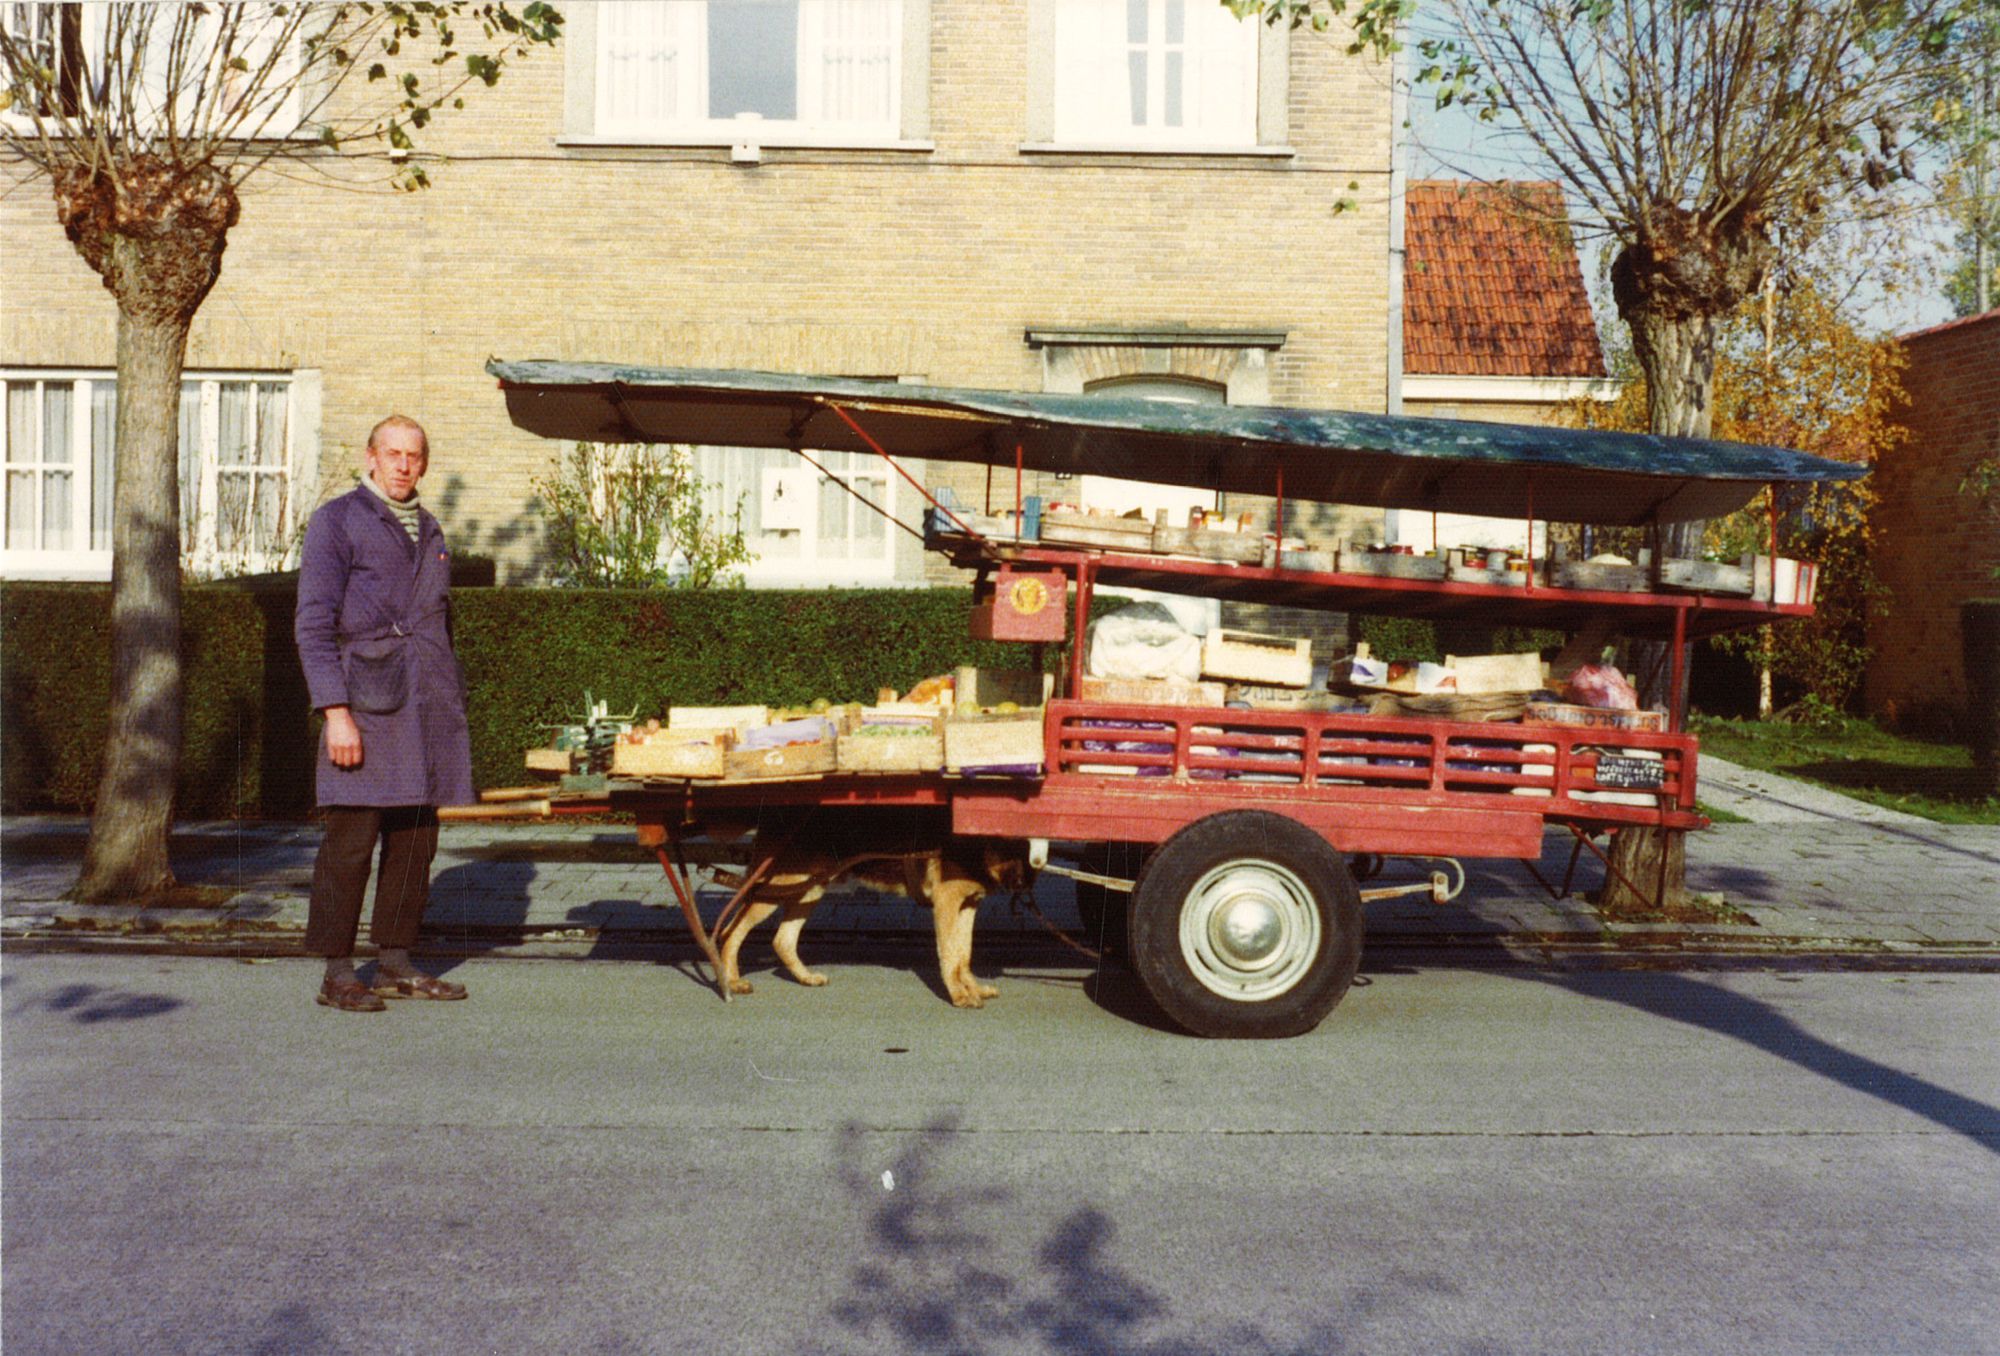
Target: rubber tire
x=1179, y=866
x=1106, y=913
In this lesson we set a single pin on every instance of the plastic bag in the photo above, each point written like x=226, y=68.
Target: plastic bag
x=1142, y=640
x=1602, y=686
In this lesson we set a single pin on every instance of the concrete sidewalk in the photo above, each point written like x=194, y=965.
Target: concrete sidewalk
x=1820, y=871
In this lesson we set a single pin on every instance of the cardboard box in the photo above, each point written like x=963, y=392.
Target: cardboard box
x=1246, y=657
x=1496, y=672
x=674, y=753
x=1153, y=692
x=788, y=760
x=993, y=741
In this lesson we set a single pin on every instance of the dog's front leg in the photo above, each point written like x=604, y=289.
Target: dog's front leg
x=954, y=909
x=786, y=942
x=731, y=942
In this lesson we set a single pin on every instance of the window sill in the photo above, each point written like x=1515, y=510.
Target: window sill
x=790, y=141
x=1155, y=148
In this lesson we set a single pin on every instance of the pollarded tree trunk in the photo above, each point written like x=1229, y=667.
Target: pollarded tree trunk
x=1670, y=286
x=155, y=234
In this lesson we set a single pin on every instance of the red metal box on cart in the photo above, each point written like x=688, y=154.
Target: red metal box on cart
x=1020, y=605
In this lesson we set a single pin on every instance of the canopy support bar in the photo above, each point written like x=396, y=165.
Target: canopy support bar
x=918, y=485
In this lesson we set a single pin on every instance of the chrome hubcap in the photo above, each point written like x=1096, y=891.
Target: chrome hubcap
x=1250, y=930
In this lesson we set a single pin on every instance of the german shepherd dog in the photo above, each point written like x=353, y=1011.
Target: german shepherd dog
x=908, y=852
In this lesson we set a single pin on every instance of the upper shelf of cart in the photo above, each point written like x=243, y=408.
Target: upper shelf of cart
x=1332, y=456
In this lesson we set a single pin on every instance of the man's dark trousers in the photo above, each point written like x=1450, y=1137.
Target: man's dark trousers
x=409, y=836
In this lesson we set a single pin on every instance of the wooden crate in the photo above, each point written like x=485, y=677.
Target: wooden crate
x=738, y=718
x=1706, y=576
x=551, y=760
x=1091, y=529
x=1239, y=548
x=1388, y=565
x=1601, y=576
x=1246, y=657
x=1593, y=717
x=674, y=753
x=859, y=752
x=788, y=760
x=993, y=741
x=1153, y=692
x=990, y=687
x=1479, y=574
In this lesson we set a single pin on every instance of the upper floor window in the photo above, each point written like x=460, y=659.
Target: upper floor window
x=229, y=70
x=242, y=457
x=1154, y=72
x=750, y=70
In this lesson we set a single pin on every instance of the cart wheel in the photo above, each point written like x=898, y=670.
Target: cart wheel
x=1105, y=913
x=1366, y=865
x=1246, y=924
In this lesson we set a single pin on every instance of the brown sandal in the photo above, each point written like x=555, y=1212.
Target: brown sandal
x=348, y=995
x=418, y=986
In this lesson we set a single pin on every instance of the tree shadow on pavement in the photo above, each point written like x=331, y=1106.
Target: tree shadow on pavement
x=939, y=1271
x=89, y=1004
x=1682, y=998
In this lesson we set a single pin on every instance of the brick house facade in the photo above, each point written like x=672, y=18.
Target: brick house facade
x=1935, y=545
x=993, y=226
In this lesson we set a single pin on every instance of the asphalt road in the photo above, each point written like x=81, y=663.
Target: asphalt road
x=601, y=1157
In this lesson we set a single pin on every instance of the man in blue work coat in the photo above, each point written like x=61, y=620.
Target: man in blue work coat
x=374, y=638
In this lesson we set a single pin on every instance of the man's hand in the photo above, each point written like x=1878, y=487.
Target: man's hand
x=343, y=737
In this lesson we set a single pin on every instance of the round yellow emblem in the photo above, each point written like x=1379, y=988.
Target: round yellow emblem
x=1028, y=596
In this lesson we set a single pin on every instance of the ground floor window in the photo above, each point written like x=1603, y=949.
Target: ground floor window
x=240, y=465
x=806, y=529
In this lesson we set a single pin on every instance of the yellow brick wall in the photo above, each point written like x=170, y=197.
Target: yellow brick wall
x=887, y=263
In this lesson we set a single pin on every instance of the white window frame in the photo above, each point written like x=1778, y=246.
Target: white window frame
x=809, y=568
x=279, y=120
x=682, y=29
x=1216, y=54
x=201, y=554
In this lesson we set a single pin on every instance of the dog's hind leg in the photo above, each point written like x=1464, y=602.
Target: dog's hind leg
x=786, y=942
x=954, y=908
x=731, y=942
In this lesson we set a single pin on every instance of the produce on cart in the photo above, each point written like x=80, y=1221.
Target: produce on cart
x=1214, y=791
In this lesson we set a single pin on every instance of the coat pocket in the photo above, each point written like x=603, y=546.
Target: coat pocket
x=378, y=675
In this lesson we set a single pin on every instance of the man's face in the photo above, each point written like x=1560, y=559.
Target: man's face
x=397, y=460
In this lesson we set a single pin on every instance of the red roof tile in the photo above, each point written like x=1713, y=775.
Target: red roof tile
x=1491, y=284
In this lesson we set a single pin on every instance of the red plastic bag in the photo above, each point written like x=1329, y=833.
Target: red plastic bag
x=1603, y=686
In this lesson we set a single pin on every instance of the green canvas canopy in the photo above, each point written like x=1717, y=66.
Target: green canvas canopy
x=1332, y=456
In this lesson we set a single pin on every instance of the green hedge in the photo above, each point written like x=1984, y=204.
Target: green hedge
x=528, y=654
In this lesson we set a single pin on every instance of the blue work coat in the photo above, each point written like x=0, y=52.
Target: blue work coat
x=368, y=595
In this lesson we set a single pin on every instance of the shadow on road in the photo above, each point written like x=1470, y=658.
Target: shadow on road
x=936, y=1275
x=1683, y=998
x=92, y=1003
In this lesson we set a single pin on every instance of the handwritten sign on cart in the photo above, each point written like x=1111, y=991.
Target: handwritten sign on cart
x=1637, y=774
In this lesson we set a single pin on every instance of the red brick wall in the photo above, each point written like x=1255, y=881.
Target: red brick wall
x=1934, y=547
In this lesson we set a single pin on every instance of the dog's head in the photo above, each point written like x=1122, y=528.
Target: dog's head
x=1007, y=865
